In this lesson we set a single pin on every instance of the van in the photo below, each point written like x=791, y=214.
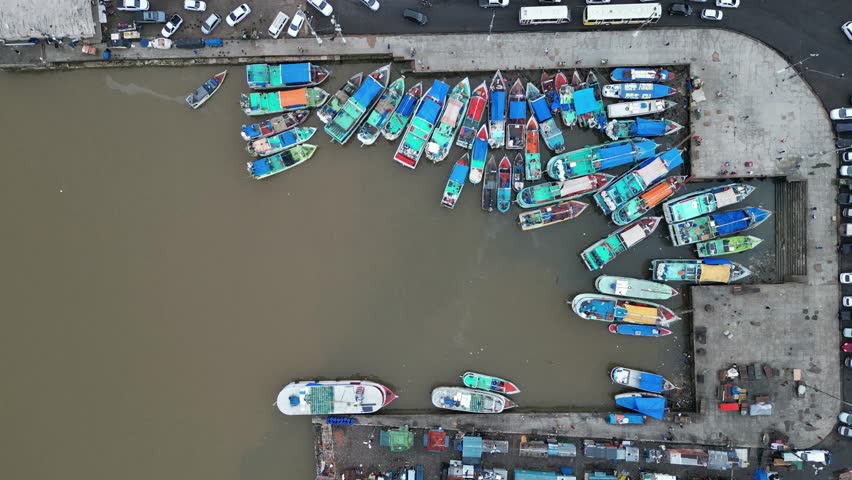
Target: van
x=278, y=24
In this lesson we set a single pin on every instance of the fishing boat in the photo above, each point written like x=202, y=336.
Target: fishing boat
x=552, y=192
x=645, y=381
x=263, y=76
x=489, y=188
x=346, y=121
x=548, y=88
x=497, y=111
x=456, y=182
x=206, y=90
x=592, y=159
x=473, y=117
x=418, y=131
x=566, y=105
x=636, y=180
x=382, y=112
x=637, y=91
x=517, y=116
x=559, y=81
x=637, y=108
x=268, y=103
x=591, y=306
x=641, y=75
x=648, y=404
x=478, y=155
x=518, y=173
x=727, y=245
x=626, y=419
x=265, y=147
x=480, y=381
x=657, y=476
x=551, y=214
x=340, y=97
x=640, y=127
x=444, y=134
x=639, y=330
x=634, y=288
x=532, y=155
x=274, y=125
x=504, y=188
x=469, y=400
x=705, y=201
x=715, y=225
x=546, y=124
x=406, y=108
x=647, y=200
x=333, y=397
x=605, y=250
x=268, y=166
x=588, y=104
x=711, y=270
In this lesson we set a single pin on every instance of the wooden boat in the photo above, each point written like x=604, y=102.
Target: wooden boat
x=382, y=112
x=637, y=91
x=489, y=188
x=650, y=198
x=648, y=404
x=456, y=182
x=475, y=112
x=566, y=104
x=265, y=147
x=637, y=108
x=497, y=111
x=206, y=90
x=340, y=97
x=727, y=245
x=263, y=76
x=268, y=166
x=559, y=81
x=517, y=116
x=478, y=155
x=705, y=201
x=548, y=88
x=638, y=330
x=518, y=170
x=596, y=158
x=282, y=101
x=418, y=132
x=657, y=476
x=480, y=381
x=634, y=288
x=551, y=214
x=641, y=75
x=605, y=250
x=588, y=103
x=715, y=225
x=640, y=127
x=552, y=192
x=333, y=397
x=406, y=108
x=626, y=419
x=345, y=123
x=504, y=188
x=451, y=119
x=274, y=125
x=637, y=180
x=546, y=124
x=532, y=155
x=698, y=271
x=469, y=400
x=646, y=381
x=591, y=306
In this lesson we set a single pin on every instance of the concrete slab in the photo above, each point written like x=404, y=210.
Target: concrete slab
x=23, y=19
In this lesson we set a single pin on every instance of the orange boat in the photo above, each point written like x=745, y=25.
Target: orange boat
x=643, y=203
x=532, y=157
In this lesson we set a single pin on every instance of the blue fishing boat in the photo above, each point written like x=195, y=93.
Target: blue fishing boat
x=265, y=147
x=274, y=125
x=716, y=225
x=497, y=112
x=641, y=75
x=637, y=91
x=588, y=104
x=399, y=120
x=603, y=308
x=648, y=404
x=418, y=132
x=639, y=330
x=346, y=121
x=546, y=124
x=504, y=188
x=262, y=76
x=516, y=124
x=626, y=419
x=456, y=182
x=637, y=180
x=648, y=382
x=478, y=155
x=593, y=159
x=640, y=127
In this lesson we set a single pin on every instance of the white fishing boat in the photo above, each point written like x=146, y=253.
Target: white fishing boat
x=637, y=108
x=333, y=397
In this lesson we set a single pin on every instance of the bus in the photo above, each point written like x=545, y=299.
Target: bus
x=630, y=13
x=544, y=15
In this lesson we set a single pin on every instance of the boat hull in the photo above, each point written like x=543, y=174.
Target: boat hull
x=645, y=381
x=604, y=251
x=469, y=400
x=604, y=308
x=698, y=271
x=456, y=182
x=551, y=214
x=727, y=245
x=634, y=288
x=480, y=381
x=705, y=201
x=552, y=192
x=333, y=397
x=639, y=330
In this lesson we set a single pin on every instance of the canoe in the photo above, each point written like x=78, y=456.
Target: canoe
x=649, y=404
x=422, y=124
x=596, y=158
x=264, y=76
x=727, y=245
x=641, y=75
x=552, y=192
x=406, y=108
x=456, y=182
x=274, y=125
x=265, y=147
x=268, y=166
x=333, y=397
x=634, y=288
x=504, y=188
x=698, y=271
x=206, y=90
x=532, y=155
x=591, y=306
x=705, y=201
x=551, y=214
x=516, y=124
x=453, y=115
x=478, y=155
x=469, y=400
x=715, y=225
x=518, y=172
x=489, y=188
x=345, y=123
x=497, y=111
x=639, y=330
x=637, y=180
x=637, y=108
x=605, y=250
x=640, y=127
x=255, y=104
x=559, y=81
x=480, y=381
x=646, y=381
x=647, y=200
x=637, y=91
x=626, y=419
x=547, y=127
x=382, y=112
x=475, y=112
x=588, y=103
x=566, y=105
x=340, y=97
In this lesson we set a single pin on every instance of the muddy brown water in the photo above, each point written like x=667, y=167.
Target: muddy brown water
x=156, y=298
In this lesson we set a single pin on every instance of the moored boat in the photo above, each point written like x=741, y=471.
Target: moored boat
x=648, y=404
x=591, y=306
x=282, y=101
x=382, y=112
x=593, y=159
x=263, y=76
x=638, y=330
x=478, y=154
x=532, y=155
x=497, y=111
x=705, y=201
x=547, y=127
x=634, y=288
x=647, y=200
x=206, y=90
x=555, y=98
x=606, y=249
x=340, y=97
x=265, y=147
x=504, y=186
x=456, y=182
x=640, y=127
x=548, y=87
x=347, y=120
x=333, y=397
x=588, y=103
x=451, y=119
x=518, y=169
x=517, y=116
x=646, y=381
x=480, y=381
x=715, y=225
x=637, y=108
x=469, y=400
x=475, y=112
x=698, y=271
x=551, y=192
x=641, y=75
x=727, y=245
x=551, y=214
x=626, y=419
x=268, y=166
x=418, y=131
x=636, y=180
x=489, y=187
x=400, y=117
x=637, y=91
x=274, y=125
x=566, y=105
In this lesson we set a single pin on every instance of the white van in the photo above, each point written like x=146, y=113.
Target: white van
x=278, y=24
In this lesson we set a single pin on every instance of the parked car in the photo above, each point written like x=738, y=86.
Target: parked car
x=680, y=9
x=133, y=5
x=848, y=362
x=711, y=14
x=597, y=2
x=171, y=26
x=845, y=417
x=194, y=5
x=841, y=113
x=847, y=332
x=846, y=28
x=413, y=15
x=845, y=315
x=843, y=143
x=846, y=212
x=321, y=5
x=843, y=127
x=374, y=4
x=150, y=16
x=846, y=347
x=847, y=301
x=296, y=23
x=213, y=21
x=846, y=278
x=844, y=199
x=278, y=24
x=846, y=171
x=845, y=431
x=728, y=3
x=814, y=456
x=238, y=14
x=846, y=157
x=120, y=43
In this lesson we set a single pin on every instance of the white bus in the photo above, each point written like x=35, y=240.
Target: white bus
x=622, y=14
x=543, y=15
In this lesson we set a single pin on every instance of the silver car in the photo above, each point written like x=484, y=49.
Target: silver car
x=211, y=23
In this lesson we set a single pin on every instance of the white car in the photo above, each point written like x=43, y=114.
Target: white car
x=321, y=5
x=171, y=26
x=194, y=5
x=845, y=417
x=847, y=302
x=846, y=171
x=841, y=114
x=846, y=157
x=728, y=3
x=711, y=14
x=371, y=4
x=296, y=23
x=134, y=5
x=847, y=333
x=846, y=28
x=846, y=278
x=211, y=23
x=238, y=15
x=845, y=431
x=597, y=2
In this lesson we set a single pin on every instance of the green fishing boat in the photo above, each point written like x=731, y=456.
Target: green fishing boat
x=532, y=155
x=644, y=202
x=372, y=127
x=255, y=104
x=268, y=166
x=265, y=147
x=566, y=104
x=340, y=97
x=552, y=192
x=451, y=119
x=347, y=120
x=406, y=108
x=634, y=288
x=727, y=246
x=481, y=381
x=705, y=201
x=596, y=158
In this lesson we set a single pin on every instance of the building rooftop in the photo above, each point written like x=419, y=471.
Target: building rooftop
x=23, y=19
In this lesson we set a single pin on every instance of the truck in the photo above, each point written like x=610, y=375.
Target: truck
x=493, y=3
x=150, y=16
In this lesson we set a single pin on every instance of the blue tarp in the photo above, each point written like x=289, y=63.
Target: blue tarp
x=471, y=449
x=614, y=152
x=498, y=106
x=288, y=137
x=368, y=92
x=541, y=110
x=518, y=110
x=260, y=167
x=650, y=128
x=673, y=158
x=585, y=101
x=295, y=73
x=638, y=330
x=647, y=149
x=213, y=42
x=407, y=105
x=439, y=90
x=459, y=175
x=650, y=382
x=533, y=475
x=480, y=150
x=631, y=419
x=429, y=110
x=732, y=222
x=653, y=407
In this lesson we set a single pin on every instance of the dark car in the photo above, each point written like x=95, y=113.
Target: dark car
x=680, y=9
x=843, y=127
x=150, y=16
x=844, y=143
x=844, y=199
x=417, y=17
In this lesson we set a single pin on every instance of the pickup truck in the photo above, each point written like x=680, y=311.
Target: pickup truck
x=150, y=16
x=493, y=3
